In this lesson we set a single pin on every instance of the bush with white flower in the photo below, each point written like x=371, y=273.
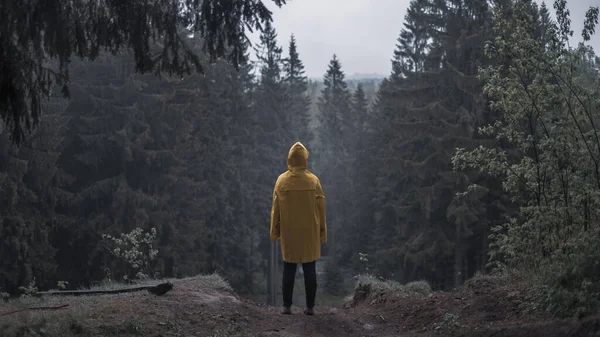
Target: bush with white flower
x=136, y=249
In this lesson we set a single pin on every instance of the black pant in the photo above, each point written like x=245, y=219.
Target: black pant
x=310, y=282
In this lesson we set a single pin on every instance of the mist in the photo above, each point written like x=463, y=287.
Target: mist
x=457, y=152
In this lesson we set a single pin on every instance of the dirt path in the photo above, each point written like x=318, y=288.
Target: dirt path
x=195, y=308
x=326, y=322
x=191, y=309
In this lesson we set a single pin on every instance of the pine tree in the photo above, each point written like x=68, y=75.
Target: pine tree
x=413, y=41
x=332, y=155
x=30, y=193
x=77, y=29
x=119, y=161
x=431, y=102
x=544, y=25
x=298, y=102
x=359, y=185
x=137, y=151
x=273, y=132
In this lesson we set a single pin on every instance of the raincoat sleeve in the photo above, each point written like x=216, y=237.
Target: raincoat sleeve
x=321, y=210
x=275, y=217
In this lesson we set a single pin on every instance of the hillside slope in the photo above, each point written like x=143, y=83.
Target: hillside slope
x=206, y=307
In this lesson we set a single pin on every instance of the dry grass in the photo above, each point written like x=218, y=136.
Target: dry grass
x=212, y=281
x=205, y=306
x=499, y=279
x=83, y=311
x=44, y=322
x=372, y=289
x=417, y=287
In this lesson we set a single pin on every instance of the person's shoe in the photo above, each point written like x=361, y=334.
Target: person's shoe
x=309, y=311
x=286, y=310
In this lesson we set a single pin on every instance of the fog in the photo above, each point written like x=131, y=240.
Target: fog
x=362, y=33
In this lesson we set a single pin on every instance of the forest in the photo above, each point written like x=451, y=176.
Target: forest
x=478, y=153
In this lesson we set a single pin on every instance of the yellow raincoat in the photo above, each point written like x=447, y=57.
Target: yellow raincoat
x=298, y=211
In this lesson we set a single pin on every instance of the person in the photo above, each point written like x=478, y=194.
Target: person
x=298, y=221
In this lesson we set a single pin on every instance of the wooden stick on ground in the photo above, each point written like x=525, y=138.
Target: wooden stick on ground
x=159, y=289
x=34, y=308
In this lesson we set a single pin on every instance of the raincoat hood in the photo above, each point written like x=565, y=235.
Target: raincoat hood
x=297, y=157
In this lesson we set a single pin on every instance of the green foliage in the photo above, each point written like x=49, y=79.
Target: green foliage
x=297, y=100
x=431, y=102
x=135, y=248
x=62, y=285
x=364, y=259
x=572, y=287
x=29, y=190
x=29, y=290
x=547, y=94
x=78, y=29
x=132, y=151
x=378, y=285
x=371, y=289
x=333, y=154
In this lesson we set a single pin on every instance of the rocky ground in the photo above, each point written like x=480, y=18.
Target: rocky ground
x=206, y=307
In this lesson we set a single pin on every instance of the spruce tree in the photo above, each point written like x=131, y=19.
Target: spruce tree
x=32, y=34
x=131, y=151
x=272, y=130
x=544, y=25
x=332, y=156
x=298, y=102
x=359, y=184
x=431, y=102
x=118, y=158
x=30, y=195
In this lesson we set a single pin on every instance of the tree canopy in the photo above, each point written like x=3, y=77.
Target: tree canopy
x=39, y=39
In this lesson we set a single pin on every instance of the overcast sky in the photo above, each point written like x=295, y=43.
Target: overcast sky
x=362, y=33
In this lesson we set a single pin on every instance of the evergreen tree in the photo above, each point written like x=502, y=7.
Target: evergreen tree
x=70, y=29
x=432, y=102
x=30, y=193
x=332, y=154
x=359, y=185
x=550, y=168
x=272, y=131
x=135, y=151
x=544, y=25
x=119, y=160
x=413, y=40
x=298, y=102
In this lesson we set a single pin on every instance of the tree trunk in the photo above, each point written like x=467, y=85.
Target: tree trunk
x=271, y=281
x=249, y=266
x=458, y=258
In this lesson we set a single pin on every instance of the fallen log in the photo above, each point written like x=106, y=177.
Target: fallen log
x=158, y=290
x=34, y=308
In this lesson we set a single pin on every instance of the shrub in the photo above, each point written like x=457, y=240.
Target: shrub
x=136, y=249
x=371, y=288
